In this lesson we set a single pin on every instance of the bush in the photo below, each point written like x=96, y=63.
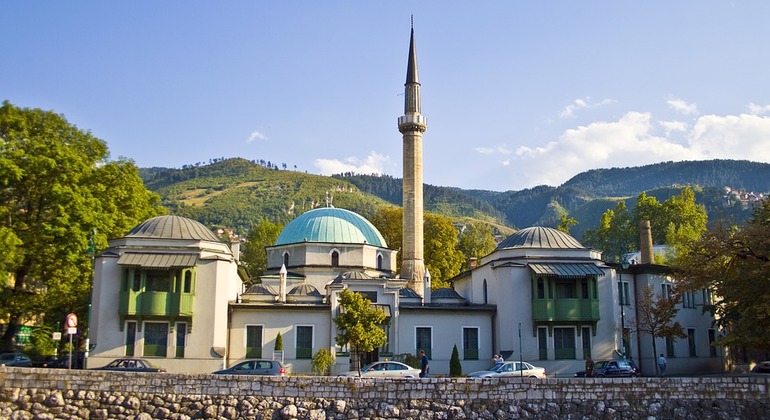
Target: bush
x=278, y=342
x=322, y=362
x=455, y=368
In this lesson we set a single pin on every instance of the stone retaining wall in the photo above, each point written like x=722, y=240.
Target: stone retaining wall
x=48, y=394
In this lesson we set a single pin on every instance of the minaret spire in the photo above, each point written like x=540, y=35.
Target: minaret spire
x=411, y=125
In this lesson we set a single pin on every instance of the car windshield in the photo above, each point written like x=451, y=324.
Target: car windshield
x=600, y=365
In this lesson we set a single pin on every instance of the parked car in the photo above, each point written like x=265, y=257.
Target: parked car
x=613, y=369
x=762, y=367
x=385, y=370
x=130, y=364
x=255, y=367
x=15, y=359
x=510, y=370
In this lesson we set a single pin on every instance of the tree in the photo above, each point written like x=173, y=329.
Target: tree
x=686, y=219
x=654, y=316
x=442, y=257
x=614, y=235
x=733, y=265
x=477, y=240
x=389, y=221
x=359, y=325
x=455, y=368
x=322, y=362
x=278, y=342
x=565, y=223
x=254, y=255
x=58, y=186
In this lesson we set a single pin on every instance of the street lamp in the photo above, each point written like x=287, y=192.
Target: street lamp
x=623, y=298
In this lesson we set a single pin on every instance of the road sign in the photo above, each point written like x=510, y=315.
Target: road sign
x=72, y=321
x=56, y=336
x=72, y=331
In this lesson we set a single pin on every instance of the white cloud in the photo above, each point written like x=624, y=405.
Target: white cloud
x=579, y=104
x=755, y=109
x=682, y=107
x=256, y=135
x=374, y=163
x=672, y=126
x=632, y=141
x=501, y=149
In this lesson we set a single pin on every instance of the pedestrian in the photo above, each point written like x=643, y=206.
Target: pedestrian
x=424, y=366
x=500, y=359
x=589, y=366
x=662, y=365
x=497, y=360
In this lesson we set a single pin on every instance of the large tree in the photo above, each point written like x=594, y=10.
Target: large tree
x=733, y=265
x=655, y=317
x=58, y=192
x=476, y=240
x=614, y=235
x=254, y=255
x=359, y=325
x=443, y=259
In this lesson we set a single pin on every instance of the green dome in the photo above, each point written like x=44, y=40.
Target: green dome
x=329, y=224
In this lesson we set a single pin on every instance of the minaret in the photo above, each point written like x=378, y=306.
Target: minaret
x=411, y=125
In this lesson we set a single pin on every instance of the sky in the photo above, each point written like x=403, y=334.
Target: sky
x=517, y=93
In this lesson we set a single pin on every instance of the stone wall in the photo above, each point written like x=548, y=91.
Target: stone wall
x=43, y=394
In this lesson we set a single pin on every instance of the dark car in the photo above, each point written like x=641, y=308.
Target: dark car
x=130, y=364
x=613, y=369
x=255, y=367
x=762, y=367
x=15, y=359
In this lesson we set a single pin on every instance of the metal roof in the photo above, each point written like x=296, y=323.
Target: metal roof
x=566, y=269
x=329, y=224
x=173, y=227
x=540, y=237
x=158, y=260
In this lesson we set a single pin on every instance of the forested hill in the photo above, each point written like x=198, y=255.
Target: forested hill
x=618, y=182
x=237, y=193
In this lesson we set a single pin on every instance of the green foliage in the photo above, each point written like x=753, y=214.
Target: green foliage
x=57, y=187
x=654, y=316
x=442, y=257
x=389, y=221
x=455, y=368
x=614, y=235
x=408, y=359
x=254, y=257
x=359, y=323
x=565, y=223
x=476, y=240
x=278, y=342
x=733, y=265
x=322, y=362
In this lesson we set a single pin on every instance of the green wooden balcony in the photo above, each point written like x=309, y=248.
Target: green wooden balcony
x=561, y=310
x=155, y=304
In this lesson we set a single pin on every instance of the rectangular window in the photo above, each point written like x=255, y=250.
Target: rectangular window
x=586, y=335
x=665, y=291
x=471, y=343
x=670, y=347
x=691, y=341
x=584, y=289
x=623, y=293
x=124, y=280
x=564, y=343
x=187, y=287
x=423, y=340
x=181, y=338
x=157, y=281
x=155, y=339
x=565, y=289
x=540, y=288
x=372, y=296
x=304, y=344
x=137, y=286
x=712, y=347
x=542, y=343
x=254, y=341
x=130, y=338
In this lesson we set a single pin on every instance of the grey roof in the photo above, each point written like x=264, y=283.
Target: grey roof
x=407, y=292
x=261, y=289
x=351, y=275
x=173, y=227
x=158, y=260
x=304, y=290
x=566, y=269
x=540, y=237
x=445, y=293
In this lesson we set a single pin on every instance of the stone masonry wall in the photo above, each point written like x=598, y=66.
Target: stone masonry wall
x=62, y=394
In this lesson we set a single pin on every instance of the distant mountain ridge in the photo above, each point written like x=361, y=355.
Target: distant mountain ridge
x=237, y=193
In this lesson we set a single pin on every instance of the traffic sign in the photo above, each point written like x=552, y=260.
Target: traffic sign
x=72, y=321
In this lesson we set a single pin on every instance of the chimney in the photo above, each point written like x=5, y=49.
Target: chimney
x=645, y=239
x=235, y=248
x=473, y=262
x=282, y=284
x=426, y=298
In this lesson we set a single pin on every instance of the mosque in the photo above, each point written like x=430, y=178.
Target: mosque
x=172, y=292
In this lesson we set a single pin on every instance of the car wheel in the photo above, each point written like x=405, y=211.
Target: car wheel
x=601, y=375
x=634, y=375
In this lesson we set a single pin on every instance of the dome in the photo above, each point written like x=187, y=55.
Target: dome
x=173, y=227
x=329, y=224
x=540, y=237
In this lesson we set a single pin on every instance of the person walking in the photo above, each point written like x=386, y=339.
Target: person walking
x=424, y=366
x=662, y=365
x=589, y=367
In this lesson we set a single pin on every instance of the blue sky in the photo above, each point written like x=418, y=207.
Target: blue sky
x=517, y=94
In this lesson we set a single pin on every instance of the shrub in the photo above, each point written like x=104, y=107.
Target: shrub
x=278, y=342
x=455, y=368
x=322, y=362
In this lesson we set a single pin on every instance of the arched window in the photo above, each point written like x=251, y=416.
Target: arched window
x=335, y=259
x=379, y=262
x=286, y=259
x=485, y=291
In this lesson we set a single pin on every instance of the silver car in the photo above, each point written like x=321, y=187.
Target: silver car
x=255, y=367
x=386, y=370
x=510, y=370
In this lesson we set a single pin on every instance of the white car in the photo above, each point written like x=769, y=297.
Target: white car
x=511, y=370
x=385, y=370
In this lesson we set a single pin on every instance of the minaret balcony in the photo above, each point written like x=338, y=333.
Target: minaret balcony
x=413, y=119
